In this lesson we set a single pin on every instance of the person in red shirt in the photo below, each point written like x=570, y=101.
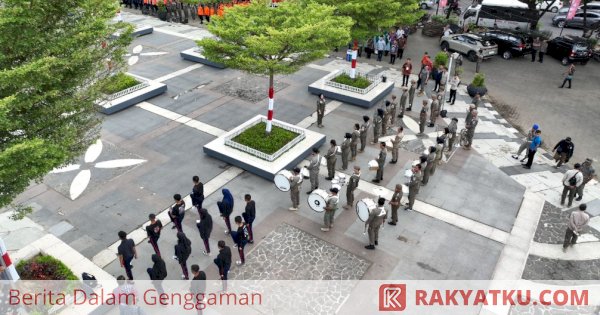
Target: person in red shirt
x=425, y=61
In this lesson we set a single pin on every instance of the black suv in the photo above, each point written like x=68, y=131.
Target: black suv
x=569, y=49
x=510, y=44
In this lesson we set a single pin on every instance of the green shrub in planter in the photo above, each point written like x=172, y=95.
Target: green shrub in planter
x=477, y=86
x=44, y=267
x=117, y=83
x=478, y=80
x=358, y=82
x=441, y=59
x=255, y=138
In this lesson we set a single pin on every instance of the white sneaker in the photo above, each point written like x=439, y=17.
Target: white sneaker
x=239, y=262
x=205, y=253
x=175, y=257
x=182, y=276
x=293, y=209
x=226, y=232
x=234, y=245
x=325, y=229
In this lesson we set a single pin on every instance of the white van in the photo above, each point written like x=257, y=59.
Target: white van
x=504, y=14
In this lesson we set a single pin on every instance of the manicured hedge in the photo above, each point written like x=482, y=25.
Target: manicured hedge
x=117, y=83
x=44, y=267
x=256, y=138
x=358, y=82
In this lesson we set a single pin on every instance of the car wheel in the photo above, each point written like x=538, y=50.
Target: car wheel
x=506, y=55
x=561, y=24
x=472, y=56
x=424, y=6
x=445, y=46
x=554, y=10
x=565, y=61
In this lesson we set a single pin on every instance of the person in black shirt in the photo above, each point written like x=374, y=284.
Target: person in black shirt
x=177, y=212
x=183, y=250
x=249, y=215
x=226, y=208
x=126, y=253
x=223, y=262
x=240, y=238
x=205, y=226
x=157, y=273
x=198, y=286
x=197, y=194
x=153, y=230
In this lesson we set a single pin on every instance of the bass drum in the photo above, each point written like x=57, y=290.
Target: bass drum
x=364, y=208
x=317, y=200
x=282, y=180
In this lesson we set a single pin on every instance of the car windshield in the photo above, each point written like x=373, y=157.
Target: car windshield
x=580, y=47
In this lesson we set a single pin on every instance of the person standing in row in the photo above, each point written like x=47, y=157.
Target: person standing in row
x=364, y=130
x=396, y=144
x=320, y=110
x=177, y=213
x=568, y=76
x=543, y=50
x=571, y=181
x=183, y=250
x=470, y=126
x=429, y=166
x=423, y=80
x=295, y=182
x=401, y=46
x=452, y=128
x=126, y=252
x=331, y=205
x=411, y=94
x=380, y=48
x=197, y=194
x=439, y=150
x=157, y=273
x=313, y=170
x=535, y=48
x=223, y=262
x=563, y=151
x=435, y=109
x=198, y=286
x=331, y=158
x=406, y=71
x=205, y=226
x=386, y=118
x=153, y=231
x=423, y=118
x=413, y=186
x=403, y=99
x=589, y=173
x=346, y=150
x=526, y=143
x=393, y=110
x=380, y=163
x=377, y=121
x=226, y=208
x=354, y=142
x=249, y=215
x=351, y=187
x=395, y=204
x=536, y=142
x=393, y=52
x=373, y=223
x=577, y=221
x=240, y=238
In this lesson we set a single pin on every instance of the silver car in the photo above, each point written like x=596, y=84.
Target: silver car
x=471, y=45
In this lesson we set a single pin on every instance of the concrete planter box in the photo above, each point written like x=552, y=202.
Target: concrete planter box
x=131, y=96
x=140, y=30
x=195, y=55
x=360, y=97
x=221, y=149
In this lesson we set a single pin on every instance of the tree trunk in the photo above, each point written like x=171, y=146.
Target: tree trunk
x=271, y=102
x=354, y=55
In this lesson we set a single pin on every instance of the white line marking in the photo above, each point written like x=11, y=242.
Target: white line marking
x=190, y=122
x=178, y=73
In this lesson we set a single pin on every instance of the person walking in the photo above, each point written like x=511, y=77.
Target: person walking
x=429, y=167
x=240, y=238
x=434, y=109
x=577, y=221
x=536, y=142
x=406, y=71
x=331, y=205
x=226, y=208
x=454, y=83
x=346, y=150
x=395, y=204
x=413, y=186
x=425, y=61
x=249, y=215
x=402, y=104
x=127, y=304
x=380, y=163
x=320, y=110
x=452, y=128
x=198, y=287
x=223, y=262
x=563, y=151
x=543, y=50
x=183, y=250
x=197, y=194
x=423, y=79
x=411, y=94
x=423, y=118
x=393, y=110
x=313, y=170
x=568, y=75
x=377, y=121
x=351, y=187
x=396, y=144
x=393, y=52
x=470, y=126
x=571, y=181
x=126, y=252
x=373, y=223
x=331, y=158
x=364, y=130
x=589, y=173
x=295, y=182
x=157, y=273
x=205, y=226
x=354, y=142
x=153, y=232
x=535, y=48
x=177, y=213
x=526, y=143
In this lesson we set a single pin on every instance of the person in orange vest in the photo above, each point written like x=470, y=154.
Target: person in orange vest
x=207, y=13
x=201, y=13
x=220, y=10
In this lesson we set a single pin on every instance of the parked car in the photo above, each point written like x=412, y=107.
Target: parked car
x=569, y=49
x=427, y=4
x=560, y=19
x=510, y=44
x=550, y=5
x=472, y=45
x=592, y=6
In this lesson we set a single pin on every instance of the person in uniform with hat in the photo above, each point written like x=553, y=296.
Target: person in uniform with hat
x=403, y=99
x=396, y=144
x=395, y=204
x=331, y=158
x=380, y=163
x=393, y=110
x=313, y=169
x=352, y=184
x=373, y=223
x=346, y=150
x=295, y=181
x=354, y=142
x=386, y=118
x=423, y=118
x=331, y=205
x=413, y=187
x=377, y=121
x=364, y=129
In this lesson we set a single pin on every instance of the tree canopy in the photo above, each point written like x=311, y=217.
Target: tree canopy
x=52, y=57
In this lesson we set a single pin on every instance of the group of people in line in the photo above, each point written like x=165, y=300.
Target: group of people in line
x=181, y=11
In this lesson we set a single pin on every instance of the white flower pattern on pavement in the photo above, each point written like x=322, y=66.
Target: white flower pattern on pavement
x=134, y=57
x=82, y=179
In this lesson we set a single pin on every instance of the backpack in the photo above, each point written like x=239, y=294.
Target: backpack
x=573, y=180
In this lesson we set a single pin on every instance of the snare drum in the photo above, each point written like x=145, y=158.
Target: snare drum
x=304, y=172
x=339, y=188
x=364, y=208
x=407, y=176
x=373, y=165
x=282, y=180
x=317, y=200
x=340, y=179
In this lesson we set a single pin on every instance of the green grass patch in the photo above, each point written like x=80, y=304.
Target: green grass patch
x=256, y=138
x=117, y=83
x=44, y=267
x=358, y=82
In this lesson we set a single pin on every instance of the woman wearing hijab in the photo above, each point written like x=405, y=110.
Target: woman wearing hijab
x=205, y=226
x=157, y=273
x=226, y=208
x=183, y=249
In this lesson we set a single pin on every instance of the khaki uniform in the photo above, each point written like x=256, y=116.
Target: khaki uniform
x=434, y=111
x=330, y=208
x=364, y=129
x=411, y=95
x=393, y=111
x=380, y=163
x=313, y=170
x=352, y=184
x=452, y=128
x=331, y=159
x=588, y=172
x=396, y=146
x=403, y=99
x=374, y=222
x=386, y=121
x=439, y=151
x=471, y=130
x=320, y=111
x=422, y=120
x=354, y=143
x=295, y=182
x=429, y=167
x=345, y=153
x=395, y=203
x=376, y=128
x=413, y=189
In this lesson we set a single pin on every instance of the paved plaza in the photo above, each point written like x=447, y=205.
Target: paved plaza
x=481, y=216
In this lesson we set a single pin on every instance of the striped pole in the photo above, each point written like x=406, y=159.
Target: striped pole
x=10, y=272
x=270, y=112
x=354, y=55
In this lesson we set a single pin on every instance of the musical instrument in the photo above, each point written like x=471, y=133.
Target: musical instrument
x=407, y=176
x=339, y=188
x=304, y=172
x=373, y=165
x=364, y=208
x=282, y=180
x=317, y=200
x=338, y=150
x=340, y=179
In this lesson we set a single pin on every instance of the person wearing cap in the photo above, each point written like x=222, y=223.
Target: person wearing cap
x=527, y=142
x=439, y=149
x=413, y=186
x=354, y=142
x=423, y=117
x=377, y=121
x=320, y=110
x=346, y=150
x=411, y=94
x=470, y=126
x=403, y=99
x=380, y=163
x=313, y=170
x=571, y=180
x=589, y=173
x=352, y=184
x=536, y=142
x=386, y=118
x=470, y=110
x=331, y=205
x=393, y=110
x=364, y=129
x=395, y=204
x=331, y=158
x=563, y=151
x=295, y=181
x=434, y=109
x=373, y=223
x=577, y=221
x=396, y=144
x=430, y=165
x=452, y=128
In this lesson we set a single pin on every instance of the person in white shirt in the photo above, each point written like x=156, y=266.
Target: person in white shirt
x=454, y=82
x=572, y=179
x=577, y=220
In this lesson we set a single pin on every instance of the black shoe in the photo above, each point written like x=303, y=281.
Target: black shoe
x=430, y=125
x=250, y=242
x=526, y=167
x=328, y=178
x=308, y=193
x=447, y=101
x=375, y=180
x=393, y=162
x=376, y=243
x=370, y=247
x=516, y=157
x=579, y=198
x=173, y=227
x=409, y=109
x=391, y=223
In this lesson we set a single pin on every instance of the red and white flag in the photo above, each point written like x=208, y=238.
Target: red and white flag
x=573, y=9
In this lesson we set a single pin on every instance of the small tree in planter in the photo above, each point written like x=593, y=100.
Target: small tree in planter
x=477, y=86
x=441, y=59
x=162, y=10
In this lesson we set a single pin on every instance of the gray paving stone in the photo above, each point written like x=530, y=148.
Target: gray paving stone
x=248, y=87
x=539, y=268
x=553, y=222
x=60, y=228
